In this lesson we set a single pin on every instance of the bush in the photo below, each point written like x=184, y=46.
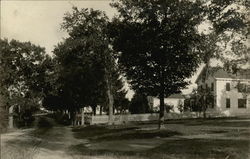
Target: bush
x=60, y=118
x=139, y=104
x=3, y=120
x=24, y=119
x=44, y=122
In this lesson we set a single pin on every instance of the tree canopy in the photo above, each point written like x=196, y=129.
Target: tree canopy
x=24, y=68
x=87, y=73
x=157, y=44
x=227, y=38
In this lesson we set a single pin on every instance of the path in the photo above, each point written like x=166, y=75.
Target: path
x=53, y=144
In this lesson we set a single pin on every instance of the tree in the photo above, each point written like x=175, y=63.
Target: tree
x=157, y=43
x=80, y=76
x=22, y=70
x=180, y=106
x=3, y=117
x=227, y=38
x=139, y=104
x=205, y=98
x=121, y=103
x=86, y=59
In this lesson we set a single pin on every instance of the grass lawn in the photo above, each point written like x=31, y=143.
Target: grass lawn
x=180, y=139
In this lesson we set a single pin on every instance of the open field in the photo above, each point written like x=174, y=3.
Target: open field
x=180, y=139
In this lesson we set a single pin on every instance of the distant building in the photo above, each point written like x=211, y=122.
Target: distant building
x=174, y=100
x=231, y=91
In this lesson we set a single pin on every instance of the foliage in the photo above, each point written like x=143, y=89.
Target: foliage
x=169, y=107
x=79, y=62
x=3, y=116
x=87, y=74
x=157, y=44
x=204, y=99
x=180, y=107
x=139, y=104
x=121, y=103
x=227, y=38
x=160, y=60
x=191, y=104
x=23, y=69
x=44, y=122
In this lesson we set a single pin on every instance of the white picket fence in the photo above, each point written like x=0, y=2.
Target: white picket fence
x=125, y=118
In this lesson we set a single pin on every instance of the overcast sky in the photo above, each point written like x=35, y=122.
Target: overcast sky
x=39, y=21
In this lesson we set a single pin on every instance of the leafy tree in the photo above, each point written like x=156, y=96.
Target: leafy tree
x=86, y=61
x=227, y=38
x=180, y=106
x=121, y=103
x=157, y=43
x=22, y=70
x=139, y=104
x=204, y=99
x=80, y=77
x=191, y=104
x=3, y=117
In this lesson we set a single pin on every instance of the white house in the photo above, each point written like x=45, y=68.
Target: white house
x=231, y=91
x=175, y=100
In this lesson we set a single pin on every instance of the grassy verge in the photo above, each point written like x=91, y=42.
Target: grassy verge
x=179, y=149
x=102, y=133
x=103, y=142
x=204, y=149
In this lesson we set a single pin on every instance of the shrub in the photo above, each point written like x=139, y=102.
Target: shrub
x=139, y=104
x=3, y=120
x=44, y=122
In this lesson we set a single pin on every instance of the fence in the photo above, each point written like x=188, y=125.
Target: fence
x=125, y=118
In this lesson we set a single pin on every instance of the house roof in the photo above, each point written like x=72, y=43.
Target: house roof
x=176, y=96
x=218, y=72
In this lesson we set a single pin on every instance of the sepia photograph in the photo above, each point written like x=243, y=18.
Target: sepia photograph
x=125, y=79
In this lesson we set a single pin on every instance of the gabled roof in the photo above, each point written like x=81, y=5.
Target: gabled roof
x=218, y=72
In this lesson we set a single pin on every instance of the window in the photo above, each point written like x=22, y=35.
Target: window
x=212, y=86
x=242, y=87
x=242, y=103
x=227, y=86
x=228, y=103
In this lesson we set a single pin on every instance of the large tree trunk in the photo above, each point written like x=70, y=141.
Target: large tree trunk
x=94, y=109
x=73, y=117
x=101, y=107
x=82, y=116
x=162, y=106
x=205, y=95
x=161, y=113
x=204, y=108
x=110, y=101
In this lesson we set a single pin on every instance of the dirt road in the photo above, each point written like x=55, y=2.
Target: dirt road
x=29, y=144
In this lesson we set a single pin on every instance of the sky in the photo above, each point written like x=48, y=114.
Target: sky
x=39, y=22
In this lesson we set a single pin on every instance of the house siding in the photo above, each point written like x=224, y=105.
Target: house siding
x=171, y=101
x=233, y=95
